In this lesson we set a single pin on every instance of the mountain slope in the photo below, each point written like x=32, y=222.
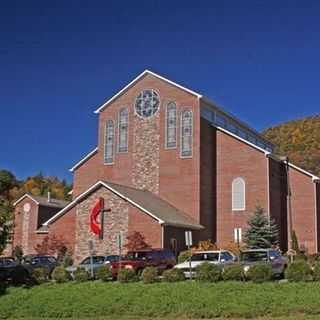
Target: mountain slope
x=299, y=140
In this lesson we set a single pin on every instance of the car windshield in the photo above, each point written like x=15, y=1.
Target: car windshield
x=137, y=255
x=205, y=257
x=254, y=256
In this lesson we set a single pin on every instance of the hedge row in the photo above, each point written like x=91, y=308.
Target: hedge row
x=206, y=272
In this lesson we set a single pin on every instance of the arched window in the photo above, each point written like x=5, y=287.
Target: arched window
x=171, y=126
x=123, y=130
x=109, y=142
x=186, y=134
x=238, y=194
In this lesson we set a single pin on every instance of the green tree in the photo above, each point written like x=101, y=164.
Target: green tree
x=7, y=181
x=261, y=232
x=5, y=223
x=295, y=243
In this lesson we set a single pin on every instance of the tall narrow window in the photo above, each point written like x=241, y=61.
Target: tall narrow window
x=186, y=134
x=109, y=142
x=123, y=130
x=237, y=235
x=238, y=194
x=171, y=126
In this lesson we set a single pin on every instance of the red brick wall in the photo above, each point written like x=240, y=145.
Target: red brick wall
x=178, y=178
x=317, y=186
x=86, y=175
x=237, y=159
x=208, y=168
x=278, y=200
x=146, y=225
x=303, y=209
x=25, y=226
x=65, y=227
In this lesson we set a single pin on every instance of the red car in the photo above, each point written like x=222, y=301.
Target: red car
x=161, y=259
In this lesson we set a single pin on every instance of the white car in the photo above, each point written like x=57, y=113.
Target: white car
x=217, y=257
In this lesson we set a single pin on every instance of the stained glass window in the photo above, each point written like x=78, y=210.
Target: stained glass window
x=109, y=142
x=171, y=126
x=123, y=130
x=186, y=134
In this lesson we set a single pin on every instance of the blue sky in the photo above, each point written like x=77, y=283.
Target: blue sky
x=59, y=60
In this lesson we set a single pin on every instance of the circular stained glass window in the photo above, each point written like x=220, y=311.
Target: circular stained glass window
x=147, y=103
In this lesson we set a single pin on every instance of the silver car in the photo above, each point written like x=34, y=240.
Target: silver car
x=272, y=257
x=217, y=257
x=91, y=264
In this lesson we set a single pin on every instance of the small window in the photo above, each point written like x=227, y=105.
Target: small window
x=109, y=142
x=186, y=134
x=237, y=235
x=123, y=130
x=238, y=194
x=171, y=126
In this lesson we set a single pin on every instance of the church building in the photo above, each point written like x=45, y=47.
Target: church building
x=169, y=160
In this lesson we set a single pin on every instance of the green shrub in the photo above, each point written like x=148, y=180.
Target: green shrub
x=127, y=275
x=184, y=256
x=299, y=271
x=208, y=272
x=60, y=275
x=40, y=275
x=233, y=273
x=316, y=272
x=67, y=260
x=81, y=275
x=173, y=275
x=259, y=273
x=149, y=275
x=103, y=273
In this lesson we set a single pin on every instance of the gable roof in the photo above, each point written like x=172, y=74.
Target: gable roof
x=149, y=203
x=43, y=201
x=135, y=80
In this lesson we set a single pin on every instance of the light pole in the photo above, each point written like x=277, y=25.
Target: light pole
x=285, y=159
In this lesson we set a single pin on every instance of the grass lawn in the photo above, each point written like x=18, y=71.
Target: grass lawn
x=170, y=301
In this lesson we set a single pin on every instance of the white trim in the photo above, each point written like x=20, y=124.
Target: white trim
x=186, y=109
x=303, y=171
x=145, y=72
x=166, y=126
x=241, y=139
x=84, y=159
x=25, y=196
x=243, y=208
x=84, y=194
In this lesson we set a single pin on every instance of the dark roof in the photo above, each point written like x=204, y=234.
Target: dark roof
x=43, y=201
x=160, y=208
x=146, y=201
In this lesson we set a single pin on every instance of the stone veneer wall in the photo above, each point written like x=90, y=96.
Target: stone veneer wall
x=146, y=153
x=115, y=221
x=25, y=231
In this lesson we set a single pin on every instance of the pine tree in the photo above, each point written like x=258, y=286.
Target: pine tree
x=295, y=243
x=261, y=233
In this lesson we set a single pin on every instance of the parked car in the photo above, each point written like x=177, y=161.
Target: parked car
x=161, y=259
x=97, y=262
x=12, y=272
x=272, y=257
x=48, y=263
x=217, y=257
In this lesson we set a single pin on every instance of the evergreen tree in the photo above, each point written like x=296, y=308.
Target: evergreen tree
x=261, y=233
x=295, y=243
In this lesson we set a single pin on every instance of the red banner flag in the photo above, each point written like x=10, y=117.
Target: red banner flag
x=94, y=224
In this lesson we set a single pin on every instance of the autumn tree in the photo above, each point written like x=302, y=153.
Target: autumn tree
x=136, y=241
x=53, y=245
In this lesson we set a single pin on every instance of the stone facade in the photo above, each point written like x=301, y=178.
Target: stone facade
x=116, y=221
x=146, y=153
